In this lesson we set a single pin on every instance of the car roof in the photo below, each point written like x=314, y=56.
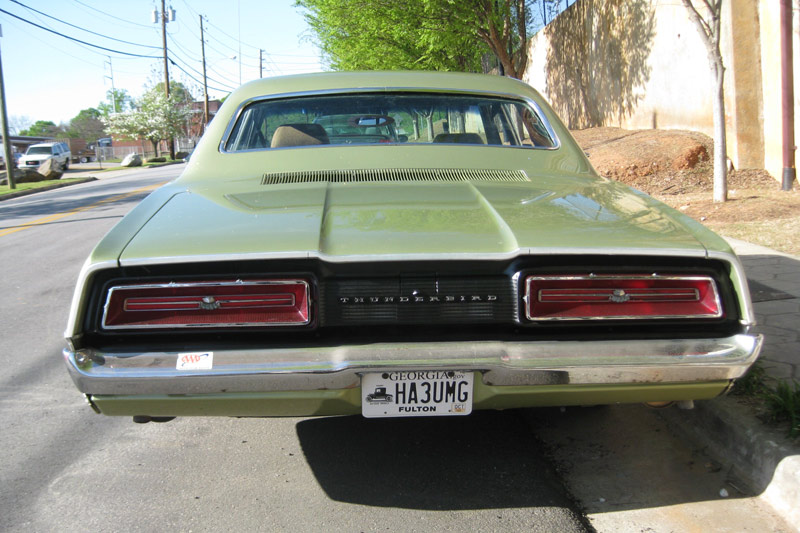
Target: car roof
x=380, y=80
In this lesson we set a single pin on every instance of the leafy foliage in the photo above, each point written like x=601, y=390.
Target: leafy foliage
x=119, y=101
x=86, y=125
x=422, y=34
x=43, y=128
x=154, y=117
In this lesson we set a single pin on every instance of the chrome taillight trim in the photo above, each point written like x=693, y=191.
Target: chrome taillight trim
x=527, y=298
x=238, y=283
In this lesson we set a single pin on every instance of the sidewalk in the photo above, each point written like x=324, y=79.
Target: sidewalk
x=85, y=170
x=761, y=456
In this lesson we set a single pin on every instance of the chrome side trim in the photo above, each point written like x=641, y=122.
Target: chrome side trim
x=75, y=310
x=340, y=367
x=739, y=278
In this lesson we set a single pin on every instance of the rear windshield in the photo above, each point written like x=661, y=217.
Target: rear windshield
x=388, y=118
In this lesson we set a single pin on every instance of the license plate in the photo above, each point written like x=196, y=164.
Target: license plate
x=416, y=393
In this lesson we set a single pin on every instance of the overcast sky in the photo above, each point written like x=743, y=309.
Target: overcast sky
x=50, y=77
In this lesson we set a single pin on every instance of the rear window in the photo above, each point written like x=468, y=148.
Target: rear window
x=388, y=118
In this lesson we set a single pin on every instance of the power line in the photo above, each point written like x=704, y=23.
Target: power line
x=195, y=79
x=94, y=9
x=76, y=40
x=83, y=29
x=187, y=65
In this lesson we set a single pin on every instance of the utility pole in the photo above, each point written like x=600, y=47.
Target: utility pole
x=787, y=96
x=260, y=63
x=205, y=80
x=113, y=89
x=6, y=141
x=166, y=64
x=239, y=18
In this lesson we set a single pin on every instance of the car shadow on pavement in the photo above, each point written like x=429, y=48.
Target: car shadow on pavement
x=486, y=460
x=608, y=458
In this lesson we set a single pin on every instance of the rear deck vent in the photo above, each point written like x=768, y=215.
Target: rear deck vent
x=393, y=174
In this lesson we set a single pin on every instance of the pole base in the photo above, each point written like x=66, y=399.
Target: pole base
x=789, y=175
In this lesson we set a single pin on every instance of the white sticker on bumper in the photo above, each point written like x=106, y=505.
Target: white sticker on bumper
x=195, y=361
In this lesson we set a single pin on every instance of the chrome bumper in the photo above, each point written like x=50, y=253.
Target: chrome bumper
x=340, y=367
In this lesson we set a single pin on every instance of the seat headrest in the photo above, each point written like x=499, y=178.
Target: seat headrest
x=299, y=135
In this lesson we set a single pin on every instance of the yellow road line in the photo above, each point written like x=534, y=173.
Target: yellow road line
x=64, y=214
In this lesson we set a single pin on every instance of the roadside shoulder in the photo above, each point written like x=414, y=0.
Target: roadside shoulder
x=57, y=185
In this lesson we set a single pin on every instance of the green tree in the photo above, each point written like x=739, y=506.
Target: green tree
x=182, y=92
x=154, y=117
x=421, y=34
x=119, y=101
x=43, y=128
x=87, y=124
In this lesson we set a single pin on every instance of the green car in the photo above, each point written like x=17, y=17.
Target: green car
x=441, y=245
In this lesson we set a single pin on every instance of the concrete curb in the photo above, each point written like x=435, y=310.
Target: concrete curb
x=43, y=189
x=759, y=456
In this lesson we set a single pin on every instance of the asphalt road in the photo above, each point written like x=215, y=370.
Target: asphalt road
x=64, y=468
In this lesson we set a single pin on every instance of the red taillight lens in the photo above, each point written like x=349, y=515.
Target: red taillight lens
x=620, y=297
x=208, y=304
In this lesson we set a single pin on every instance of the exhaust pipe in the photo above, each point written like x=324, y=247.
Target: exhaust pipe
x=144, y=419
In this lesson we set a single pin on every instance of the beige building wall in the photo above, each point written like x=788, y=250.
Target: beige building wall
x=641, y=64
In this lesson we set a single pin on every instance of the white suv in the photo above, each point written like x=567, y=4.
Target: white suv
x=39, y=153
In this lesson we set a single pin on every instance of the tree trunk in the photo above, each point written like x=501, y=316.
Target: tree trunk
x=720, y=141
x=710, y=30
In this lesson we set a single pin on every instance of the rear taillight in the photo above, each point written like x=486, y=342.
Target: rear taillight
x=609, y=297
x=282, y=302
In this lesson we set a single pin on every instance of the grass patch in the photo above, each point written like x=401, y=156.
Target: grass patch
x=5, y=189
x=782, y=402
x=143, y=165
x=784, y=405
x=754, y=383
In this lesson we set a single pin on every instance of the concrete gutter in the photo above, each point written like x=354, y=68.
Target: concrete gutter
x=758, y=455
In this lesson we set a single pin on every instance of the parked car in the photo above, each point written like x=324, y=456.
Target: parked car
x=39, y=153
x=15, y=155
x=480, y=264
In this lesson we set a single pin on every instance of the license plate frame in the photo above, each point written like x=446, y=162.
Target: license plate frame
x=405, y=393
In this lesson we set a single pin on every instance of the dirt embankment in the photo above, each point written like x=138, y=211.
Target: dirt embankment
x=675, y=167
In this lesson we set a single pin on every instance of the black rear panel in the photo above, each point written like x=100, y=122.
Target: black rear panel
x=413, y=301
